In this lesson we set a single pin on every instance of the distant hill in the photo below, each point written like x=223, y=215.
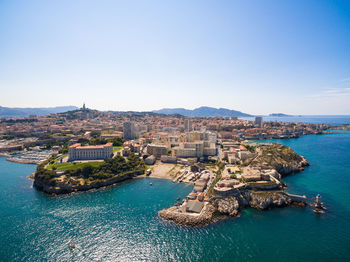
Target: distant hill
x=24, y=112
x=278, y=115
x=203, y=111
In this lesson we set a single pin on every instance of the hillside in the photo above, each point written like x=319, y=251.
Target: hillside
x=203, y=111
x=279, y=157
x=24, y=112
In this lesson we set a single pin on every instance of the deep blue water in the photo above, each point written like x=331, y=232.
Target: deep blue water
x=120, y=223
x=331, y=119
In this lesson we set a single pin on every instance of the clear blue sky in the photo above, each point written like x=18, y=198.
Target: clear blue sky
x=254, y=56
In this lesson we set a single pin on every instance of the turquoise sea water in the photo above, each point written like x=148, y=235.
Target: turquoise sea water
x=120, y=223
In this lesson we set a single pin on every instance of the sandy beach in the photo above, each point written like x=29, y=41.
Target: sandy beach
x=165, y=171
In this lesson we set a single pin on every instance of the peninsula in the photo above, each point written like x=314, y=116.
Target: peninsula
x=256, y=182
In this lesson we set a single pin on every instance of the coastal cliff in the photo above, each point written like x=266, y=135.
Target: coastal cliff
x=266, y=200
x=69, y=187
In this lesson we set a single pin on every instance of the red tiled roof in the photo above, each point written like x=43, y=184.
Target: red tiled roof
x=79, y=146
x=75, y=145
x=242, y=147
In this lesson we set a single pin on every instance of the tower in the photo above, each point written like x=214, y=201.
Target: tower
x=128, y=130
x=188, y=125
x=259, y=121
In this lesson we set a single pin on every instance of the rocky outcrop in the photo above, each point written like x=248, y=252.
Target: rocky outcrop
x=294, y=167
x=229, y=206
x=266, y=200
x=261, y=200
x=279, y=157
x=222, y=207
x=208, y=215
x=66, y=188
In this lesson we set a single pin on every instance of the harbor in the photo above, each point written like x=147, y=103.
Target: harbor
x=34, y=156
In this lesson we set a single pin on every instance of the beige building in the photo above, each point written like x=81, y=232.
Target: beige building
x=195, y=149
x=200, y=136
x=100, y=152
x=157, y=150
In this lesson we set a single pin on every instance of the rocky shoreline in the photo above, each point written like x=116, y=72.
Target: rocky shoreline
x=65, y=188
x=23, y=161
x=208, y=215
x=221, y=208
x=5, y=155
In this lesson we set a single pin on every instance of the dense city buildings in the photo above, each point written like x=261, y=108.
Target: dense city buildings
x=167, y=137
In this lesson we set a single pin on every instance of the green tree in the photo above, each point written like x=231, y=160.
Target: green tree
x=87, y=171
x=117, y=141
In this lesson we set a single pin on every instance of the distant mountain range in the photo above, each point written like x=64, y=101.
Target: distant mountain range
x=203, y=111
x=24, y=112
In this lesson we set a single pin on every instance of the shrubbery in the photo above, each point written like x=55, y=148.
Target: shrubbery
x=110, y=168
x=250, y=148
x=117, y=141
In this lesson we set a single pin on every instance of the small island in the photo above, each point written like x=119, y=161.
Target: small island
x=279, y=115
